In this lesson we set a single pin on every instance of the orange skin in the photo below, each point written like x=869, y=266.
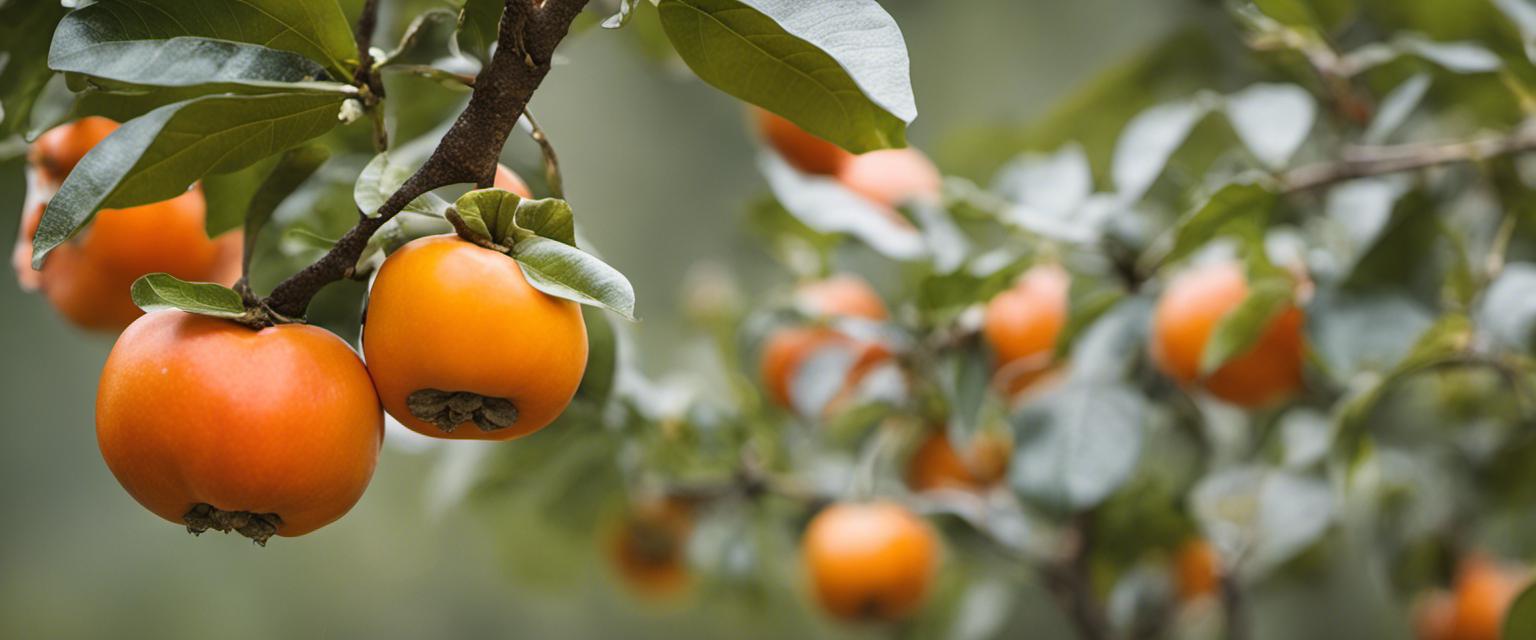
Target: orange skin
x=1197, y=570
x=283, y=420
x=872, y=561
x=88, y=278
x=892, y=177
x=448, y=315
x=56, y=152
x=1023, y=323
x=801, y=149
x=1188, y=313
x=840, y=296
x=937, y=465
x=507, y=180
x=649, y=546
x=21, y=256
x=1476, y=608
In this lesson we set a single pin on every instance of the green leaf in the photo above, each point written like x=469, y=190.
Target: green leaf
x=564, y=271
x=965, y=375
x=159, y=291
x=602, y=358
x=1520, y=621
x=505, y=219
x=1147, y=143
x=315, y=29
x=479, y=22
x=295, y=167
x=1079, y=443
x=1232, y=204
x=1258, y=518
x=1088, y=304
x=1241, y=328
x=547, y=218
x=1508, y=309
x=96, y=44
x=1292, y=13
x=25, y=30
x=1523, y=14
x=160, y=155
x=381, y=178
x=837, y=69
x=826, y=206
x=1273, y=120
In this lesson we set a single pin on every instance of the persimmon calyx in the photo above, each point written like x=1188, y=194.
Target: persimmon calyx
x=259, y=527
x=449, y=409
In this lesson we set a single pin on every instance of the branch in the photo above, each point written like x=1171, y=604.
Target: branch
x=1364, y=162
x=468, y=153
x=1072, y=584
x=1234, y=618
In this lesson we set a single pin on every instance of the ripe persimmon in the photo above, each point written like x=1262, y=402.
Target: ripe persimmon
x=1186, y=317
x=1482, y=595
x=1023, y=323
x=938, y=465
x=218, y=426
x=508, y=180
x=462, y=346
x=649, y=547
x=892, y=177
x=1196, y=570
x=21, y=255
x=801, y=149
x=786, y=349
x=88, y=278
x=56, y=152
x=870, y=561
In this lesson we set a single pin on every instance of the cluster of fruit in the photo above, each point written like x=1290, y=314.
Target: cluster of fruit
x=276, y=430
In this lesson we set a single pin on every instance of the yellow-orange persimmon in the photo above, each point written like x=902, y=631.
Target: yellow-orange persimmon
x=892, y=177
x=841, y=296
x=1187, y=315
x=649, y=546
x=88, y=277
x=1196, y=570
x=1475, y=608
x=1023, y=323
x=870, y=561
x=508, y=180
x=462, y=346
x=215, y=425
x=801, y=149
x=56, y=152
x=938, y=465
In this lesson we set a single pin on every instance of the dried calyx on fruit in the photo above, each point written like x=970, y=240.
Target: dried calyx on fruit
x=449, y=409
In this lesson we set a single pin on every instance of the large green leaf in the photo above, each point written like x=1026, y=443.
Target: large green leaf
x=479, y=22
x=176, y=62
x=25, y=28
x=1259, y=518
x=1079, y=444
x=159, y=291
x=564, y=271
x=837, y=68
x=316, y=29
x=1231, y=205
x=158, y=156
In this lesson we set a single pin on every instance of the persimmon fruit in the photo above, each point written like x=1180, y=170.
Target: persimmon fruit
x=870, y=561
x=508, y=180
x=1023, y=323
x=1187, y=315
x=1475, y=607
x=87, y=279
x=55, y=153
x=801, y=149
x=649, y=547
x=937, y=464
x=1196, y=570
x=214, y=425
x=892, y=177
x=461, y=346
x=786, y=349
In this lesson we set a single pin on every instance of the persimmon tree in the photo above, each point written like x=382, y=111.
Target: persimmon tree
x=1253, y=306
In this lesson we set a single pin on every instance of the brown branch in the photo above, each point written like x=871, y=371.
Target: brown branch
x=468, y=153
x=1234, y=613
x=1071, y=582
x=1363, y=162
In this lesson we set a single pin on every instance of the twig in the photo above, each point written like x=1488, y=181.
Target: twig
x=1234, y=614
x=1072, y=584
x=1362, y=162
x=526, y=43
x=551, y=161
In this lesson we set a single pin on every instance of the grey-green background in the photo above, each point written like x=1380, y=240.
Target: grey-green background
x=659, y=168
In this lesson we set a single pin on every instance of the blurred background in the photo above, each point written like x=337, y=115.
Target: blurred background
x=660, y=169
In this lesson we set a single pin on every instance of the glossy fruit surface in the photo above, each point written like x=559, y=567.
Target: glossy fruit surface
x=281, y=421
x=448, y=316
x=802, y=150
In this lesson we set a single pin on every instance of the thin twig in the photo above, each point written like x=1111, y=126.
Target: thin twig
x=468, y=153
x=1362, y=162
x=1071, y=581
x=1234, y=613
x=552, y=175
